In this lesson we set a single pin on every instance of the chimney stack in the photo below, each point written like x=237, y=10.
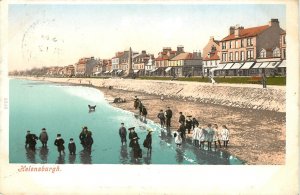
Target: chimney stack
x=274, y=22
x=231, y=30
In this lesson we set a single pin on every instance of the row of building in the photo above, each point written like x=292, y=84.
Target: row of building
x=243, y=52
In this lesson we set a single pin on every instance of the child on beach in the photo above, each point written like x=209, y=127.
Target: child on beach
x=162, y=118
x=178, y=138
x=72, y=147
x=209, y=136
x=225, y=135
x=216, y=136
x=196, y=136
x=59, y=142
x=202, y=136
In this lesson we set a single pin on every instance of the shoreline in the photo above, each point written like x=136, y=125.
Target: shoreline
x=250, y=139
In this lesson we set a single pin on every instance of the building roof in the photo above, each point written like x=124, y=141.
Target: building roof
x=213, y=56
x=183, y=56
x=248, y=32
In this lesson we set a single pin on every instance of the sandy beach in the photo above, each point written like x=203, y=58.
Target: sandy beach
x=257, y=137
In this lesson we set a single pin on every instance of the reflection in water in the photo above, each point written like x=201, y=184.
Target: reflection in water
x=72, y=158
x=60, y=159
x=85, y=157
x=179, y=154
x=30, y=155
x=124, y=154
x=133, y=160
x=147, y=159
x=44, y=154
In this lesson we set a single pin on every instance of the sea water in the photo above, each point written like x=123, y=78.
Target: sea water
x=63, y=109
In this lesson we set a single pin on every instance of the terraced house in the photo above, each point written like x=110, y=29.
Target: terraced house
x=251, y=51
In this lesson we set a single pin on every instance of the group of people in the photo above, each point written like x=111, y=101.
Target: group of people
x=137, y=104
x=134, y=144
x=85, y=139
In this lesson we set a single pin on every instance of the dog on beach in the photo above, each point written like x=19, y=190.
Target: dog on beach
x=92, y=108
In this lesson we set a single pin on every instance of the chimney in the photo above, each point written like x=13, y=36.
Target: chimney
x=237, y=31
x=274, y=22
x=180, y=49
x=231, y=30
x=143, y=51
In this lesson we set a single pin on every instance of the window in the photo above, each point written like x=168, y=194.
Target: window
x=224, y=56
x=236, y=44
x=242, y=43
x=223, y=45
x=263, y=53
x=249, y=42
x=283, y=54
x=283, y=39
x=276, y=52
x=249, y=54
x=230, y=56
x=236, y=56
x=230, y=44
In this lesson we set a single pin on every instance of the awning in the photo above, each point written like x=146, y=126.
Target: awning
x=257, y=65
x=273, y=64
x=106, y=72
x=119, y=71
x=228, y=66
x=283, y=64
x=264, y=64
x=97, y=72
x=168, y=69
x=220, y=66
x=247, y=65
x=237, y=66
x=111, y=71
x=136, y=71
x=154, y=70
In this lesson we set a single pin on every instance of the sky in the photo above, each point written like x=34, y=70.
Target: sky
x=60, y=34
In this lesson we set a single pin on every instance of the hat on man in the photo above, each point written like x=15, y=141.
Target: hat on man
x=131, y=128
x=44, y=129
x=149, y=129
x=58, y=135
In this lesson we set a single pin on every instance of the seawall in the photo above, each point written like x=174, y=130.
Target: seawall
x=235, y=95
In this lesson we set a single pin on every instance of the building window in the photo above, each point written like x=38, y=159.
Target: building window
x=236, y=44
x=276, y=52
x=236, y=56
x=224, y=56
x=242, y=42
x=249, y=54
x=263, y=53
x=223, y=45
x=230, y=44
x=230, y=56
x=249, y=42
x=283, y=39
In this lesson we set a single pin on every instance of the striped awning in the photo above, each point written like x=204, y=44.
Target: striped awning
x=283, y=64
x=168, y=69
x=119, y=71
x=264, y=64
x=228, y=66
x=220, y=66
x=154, y=70
x=257, y=65
x=136, y=71
x=247, y=65
x=237, y=66
x=273, y=64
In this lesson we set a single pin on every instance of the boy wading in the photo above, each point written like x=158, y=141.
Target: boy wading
x=59, y=142
x=123, y=134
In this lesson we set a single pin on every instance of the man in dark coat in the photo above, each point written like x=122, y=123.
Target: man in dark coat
x=144, y=113
x=195, y=123
x=27, y=138
x=59, y=142
x=137, y=151
x=168, y=114
x=132, y=134
x=162, y=118
x=123, y=134
x=44, y=137
x=82, y=136
x=32, y=141
x=148, y=141
x=181, y=118
x=72, y=147
x=135, y=102
x=140, y=107
x=182, y=130
x=188, y=124
x=89, y=141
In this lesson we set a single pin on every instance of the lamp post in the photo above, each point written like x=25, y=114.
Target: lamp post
x=193, y=70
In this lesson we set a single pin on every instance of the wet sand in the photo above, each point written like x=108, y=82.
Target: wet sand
x=256, y=136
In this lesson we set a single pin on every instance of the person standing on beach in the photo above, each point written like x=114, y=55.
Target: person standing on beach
x=148, y=141
x=196, y=136
x=195, y=123
x=137, y=151
x=89, y=141
x=225, y=135
x=32, y=141
x=182, y=130
x=27, y=138
x=72, y=146
x=123, y=134
x=181, y=118
x=144, y=113
x=216, y=136
x=44, y=137
x=189, y=124
x=168, y=114
x=82, y=136
x=132, y=134
x=202, y=137
x=210, y=135
x=59, y=142
x=135, y=102
x=140, y=107
x=162, y=118
x=178, y=138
